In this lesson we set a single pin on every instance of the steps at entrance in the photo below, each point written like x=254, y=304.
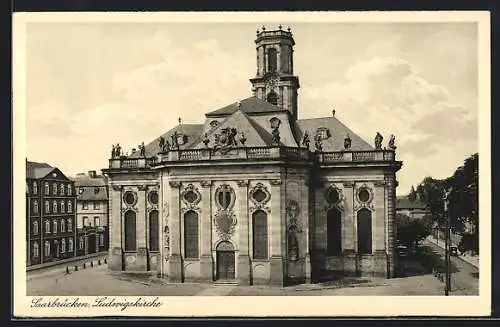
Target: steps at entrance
x=225, y=283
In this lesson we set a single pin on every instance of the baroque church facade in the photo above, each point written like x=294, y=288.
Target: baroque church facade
x=254, y=195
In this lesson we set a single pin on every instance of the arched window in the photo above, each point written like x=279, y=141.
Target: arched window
x=70, y=206
x=70, y=224
x=47, y=248
x=97, y=222
x=36, y=249
x=272, y=97
x=63, y=225
x=272, y=60
x=54, y=223
x=191, y=235
x=35, y=227
x=364, y=231
x=80, y=243
x=61, y=189
x=101, y=239
x=35, y=206
x=153, y=231
x=70, y=245
x=130, y=243
x=54, y=206
x=47, y=207
x=86, y=222
x=69, y=189
x=47, y=189
x=35, y=188
x=47, y=227
x=334, y=232
x=63, y=245
x=54, y=189
x=61, y=204
x=259, y=232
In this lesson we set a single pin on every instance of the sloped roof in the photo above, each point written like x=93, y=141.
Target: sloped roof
x=89, y=193
x=402, y=202
x=254, y=134
x=338, y=132
x=192, y=131
x=86, y=180
x=37, y=170
x=249, y=105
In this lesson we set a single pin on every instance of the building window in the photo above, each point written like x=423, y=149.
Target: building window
x=35, y=188
x=80, y=190
x=63, y=245
x=61, y=206
x=61, y=189
x=214, y=123
x=47, y=248
x=323, y=133
x=36, y=249
x=85, y=205
x=364, y=231
x=70, y=206
x=54, y=224
x=130, y=198
x=191, y=235
x=153, y=231
x=70, y=189
x=96, y=222
x=54, y=206
x=47, y=227
x=364, y=195
x=334, y=232
x=97, y=205
x=47, y=189
x=80, y=243
x=70, y=225
x=272, y=97
x=272, y=60
x=63, y=225
x=153, y=197
x=35, y=227
x=54, y=189
x=86, y=222
x=47, y=207
x=70, y=245
x=259, y=234
x=101, y=239
x=130, y=243
x=35, y=206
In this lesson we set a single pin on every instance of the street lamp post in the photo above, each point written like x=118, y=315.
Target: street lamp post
x=447, y=260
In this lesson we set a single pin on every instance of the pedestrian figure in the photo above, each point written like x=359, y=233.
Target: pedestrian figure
x=84, y=265
x=76, y=268
x=67, y=270
x=91, y=263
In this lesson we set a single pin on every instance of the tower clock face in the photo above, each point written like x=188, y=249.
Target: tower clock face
x=273, y=81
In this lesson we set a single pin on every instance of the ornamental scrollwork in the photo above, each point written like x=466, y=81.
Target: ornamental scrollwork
x=364, y=197
x=190, y=197
x=225, y=197
x=335, y=198
x=294, y=228
x=225, y=224
x=259, y=196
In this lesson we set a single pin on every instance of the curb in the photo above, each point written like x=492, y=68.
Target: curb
x=459, y=257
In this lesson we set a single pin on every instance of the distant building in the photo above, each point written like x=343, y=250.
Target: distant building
x=50, y=214
x=413, y=209
x=91, y=213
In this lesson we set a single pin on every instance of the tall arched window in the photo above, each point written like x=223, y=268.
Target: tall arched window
x=35, y=227
x=272, y=97
x=54, y=223
x=365, y=231
x=61, y=204
x=63, y=245
x=54, y=206
x=47, y=207
x=272, y=60
x=130, y=243
x=47, y=248
x=70, y=206
x=69, y=189
x=334, y=232
x=70, y=224
x=35, y=188
x=70, y=245
x=47, y=227
x=36, y=249
x=153, y=231
x=80, y=243
x=47, y=189
x=63, y=225
x=54, y=189
x=191, y=235
x=35, y=206
x=259, y=233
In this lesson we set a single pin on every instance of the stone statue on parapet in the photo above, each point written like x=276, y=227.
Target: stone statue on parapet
x=276, y=135
x=206, y=140
x=392, y=143
x=378, y=141
x=113, y=151
x=347, y=142
x=318, y=143
x=142, y=149
x=118, y=150
x=232, y=137
x=243, y=139
x=175, y=141
x=305, y=140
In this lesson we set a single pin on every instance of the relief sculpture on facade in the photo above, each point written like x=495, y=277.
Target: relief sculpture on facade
x=166, y=231
x=225, y=219
x=294, y=227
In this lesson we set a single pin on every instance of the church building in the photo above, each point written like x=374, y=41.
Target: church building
x=254, y=195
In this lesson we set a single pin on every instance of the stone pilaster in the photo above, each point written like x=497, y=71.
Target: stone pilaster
x=378, y=240
x=206, y=262
x=115, y=255
x=348, y=226
x=276, y=259
x=243, y=223
x=391, y=228
x=141, y=229
x=175, y=261
x=304, y=221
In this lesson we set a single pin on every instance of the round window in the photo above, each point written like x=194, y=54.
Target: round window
x=332, y=196
x=190, y=196
x=364, y=195
x=129, y=197
x=153, y=197
x=259, y=196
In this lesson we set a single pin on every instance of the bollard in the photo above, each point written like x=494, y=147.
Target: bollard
x=67, y=270
x=91, y=263
x=105, y=261
x=76, y=268
x=84, y=265
x=99, y=262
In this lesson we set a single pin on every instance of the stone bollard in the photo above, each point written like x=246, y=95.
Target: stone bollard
x=91, y=263
x=76, y=268
x=84, y=266
x=99, y=262
x=105, y=261
x=67, y=270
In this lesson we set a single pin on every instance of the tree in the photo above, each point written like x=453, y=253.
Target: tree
x=410, y=231
x=431, y=191
x=413, y=194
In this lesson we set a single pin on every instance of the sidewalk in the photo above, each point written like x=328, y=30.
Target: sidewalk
x=473, y=260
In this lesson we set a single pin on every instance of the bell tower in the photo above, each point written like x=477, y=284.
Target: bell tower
x=274, y=81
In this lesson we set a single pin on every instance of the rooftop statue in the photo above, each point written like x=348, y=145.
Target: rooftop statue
x=318, y=143
x=243, y=139
x=276, y=135
x=142, y=148
x=392, y=143
x=206, y=140
x=118, y=150
x=347, y=142
x=113, y=151
x=378, y=141
x=305, y=140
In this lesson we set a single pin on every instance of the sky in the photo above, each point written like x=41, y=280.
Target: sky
x=91, y=85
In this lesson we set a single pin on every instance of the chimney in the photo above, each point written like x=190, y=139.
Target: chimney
x=92, y=173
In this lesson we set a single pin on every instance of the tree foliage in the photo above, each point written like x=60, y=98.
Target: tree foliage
x=410, y=231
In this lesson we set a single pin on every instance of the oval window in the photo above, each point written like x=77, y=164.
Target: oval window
x=332, y=196
x=259, y=196
x=190, y=196
x=129, y=198
x=364, y=195
x=153, y=197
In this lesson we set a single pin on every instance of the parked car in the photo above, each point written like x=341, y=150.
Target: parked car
x=454, y=251
x=402, y=250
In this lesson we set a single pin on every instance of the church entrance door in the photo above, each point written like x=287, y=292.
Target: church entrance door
x=225, y=261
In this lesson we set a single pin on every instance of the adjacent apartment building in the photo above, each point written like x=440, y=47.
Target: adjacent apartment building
x=50, y=214
x=91, y=213
x=413, y=209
